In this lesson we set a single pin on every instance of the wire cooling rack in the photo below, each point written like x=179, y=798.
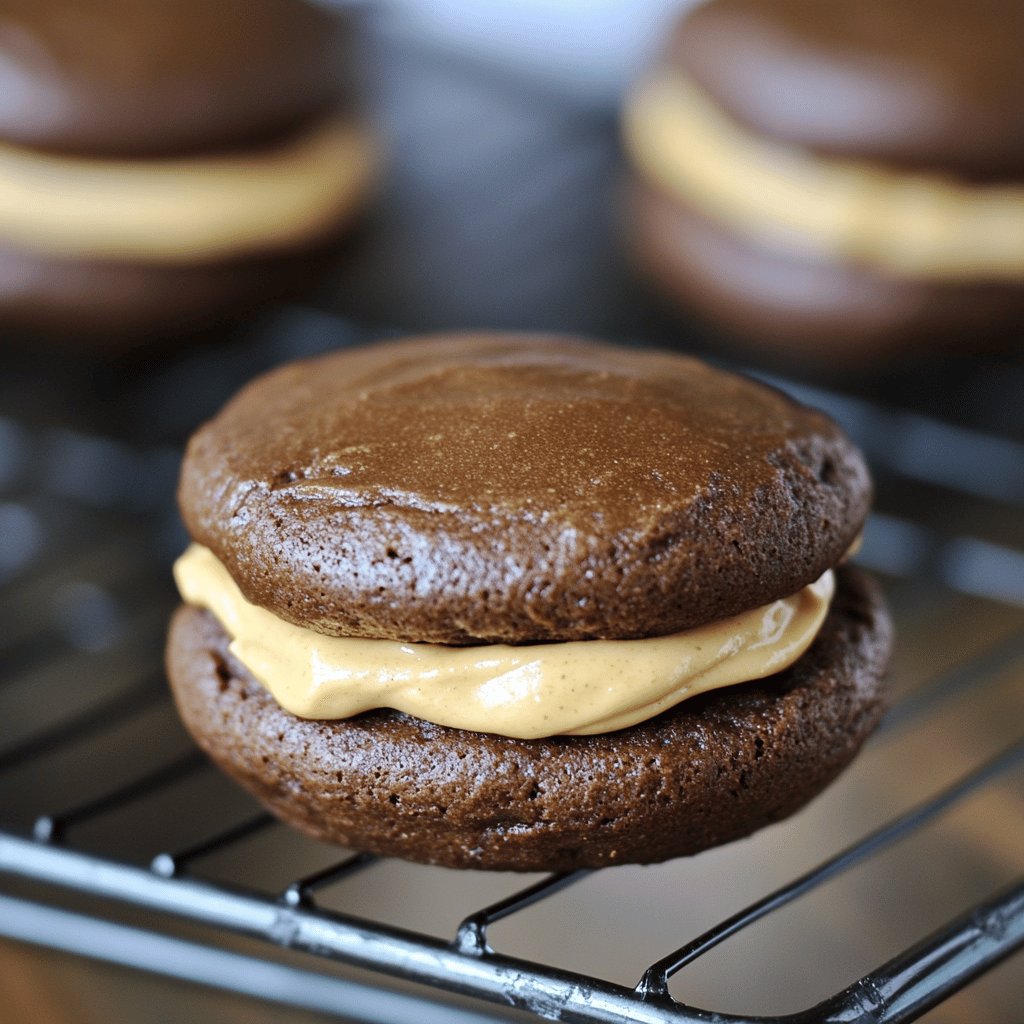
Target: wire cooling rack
x=119, y=842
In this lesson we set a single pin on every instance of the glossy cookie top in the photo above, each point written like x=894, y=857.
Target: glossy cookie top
x=937, y=85
x=488, y=488
x=156, y=77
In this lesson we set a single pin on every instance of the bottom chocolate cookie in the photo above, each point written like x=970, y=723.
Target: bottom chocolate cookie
x=805, y=307
x=109, y=305
x=712, y=769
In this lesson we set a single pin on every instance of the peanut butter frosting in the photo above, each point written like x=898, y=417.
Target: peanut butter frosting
x=573, y=688
x=919, y=224
x=708, y=771
x=184, y=210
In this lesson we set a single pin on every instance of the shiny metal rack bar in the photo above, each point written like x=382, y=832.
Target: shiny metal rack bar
x=926, y=452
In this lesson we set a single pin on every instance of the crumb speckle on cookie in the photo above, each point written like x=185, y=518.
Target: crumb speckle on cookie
x=711, y=770
x=484, y=488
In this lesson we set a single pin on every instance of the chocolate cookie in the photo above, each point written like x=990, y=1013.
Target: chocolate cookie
x=567, y=564
x=489, y=488
x=713, y=769
x=807, y=307
x=118, y=305
x=840, y=180
x=164, y=167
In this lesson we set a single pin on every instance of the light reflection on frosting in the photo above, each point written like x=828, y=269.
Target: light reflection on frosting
x=530, y=691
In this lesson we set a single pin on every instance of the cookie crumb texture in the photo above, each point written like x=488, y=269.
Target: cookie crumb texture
x=711, y=770
x=482, y=488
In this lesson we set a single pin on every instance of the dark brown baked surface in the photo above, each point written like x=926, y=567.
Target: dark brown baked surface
x=711, y=770
x=152, y=77
x=937, y=85
x=486, y=488
x=114, y=306
x=814, y=309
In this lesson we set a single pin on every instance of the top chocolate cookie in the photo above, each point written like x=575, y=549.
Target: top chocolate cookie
x=939, y=85
x=484, y=488
x=149, y=78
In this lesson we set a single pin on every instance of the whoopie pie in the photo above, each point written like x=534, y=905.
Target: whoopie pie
x=524, y=603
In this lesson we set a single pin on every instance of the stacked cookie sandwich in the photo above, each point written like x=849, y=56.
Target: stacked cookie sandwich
x=524, y=603
x=167, y=166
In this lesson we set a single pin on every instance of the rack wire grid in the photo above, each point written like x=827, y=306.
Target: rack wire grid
x=119, y=842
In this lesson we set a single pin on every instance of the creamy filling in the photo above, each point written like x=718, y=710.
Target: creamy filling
x=573, y=688
x=184, y=210
x=911, y=224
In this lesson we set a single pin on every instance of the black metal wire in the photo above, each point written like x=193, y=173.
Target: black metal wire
x=933, y=969
x=654, y=983
x=52, y=828
x=471, y=936
x=102, y=715
x=964, y=677
x=258, y=978
x=170, y=864
x=967, y=945
x=898, y=991
x=300, y=892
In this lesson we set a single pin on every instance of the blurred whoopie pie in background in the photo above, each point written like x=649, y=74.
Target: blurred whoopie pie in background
x=165, y=167
x=836, y=181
